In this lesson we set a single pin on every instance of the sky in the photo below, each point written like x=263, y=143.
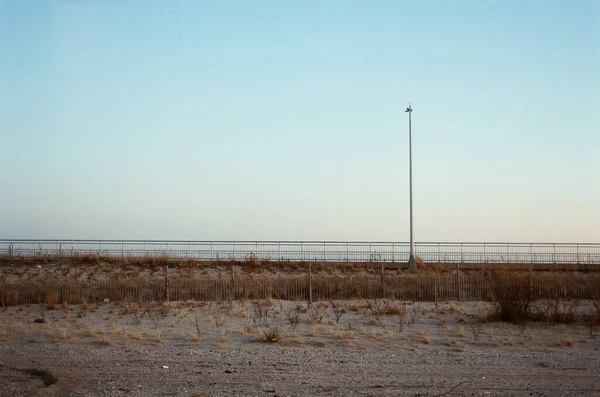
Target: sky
x=284, y=120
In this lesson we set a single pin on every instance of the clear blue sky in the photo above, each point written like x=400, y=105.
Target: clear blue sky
x=211, y=120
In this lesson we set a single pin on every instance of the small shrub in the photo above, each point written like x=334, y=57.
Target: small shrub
x=476, y=328
x=377, y=308
x=317, y=313
x=478, y=323
x=556, y=311
x=51, y=300
x=293, y=317
x=262, y=314
x=511, y=295
x=338, y=311
x=195, y=321
x=402, y=319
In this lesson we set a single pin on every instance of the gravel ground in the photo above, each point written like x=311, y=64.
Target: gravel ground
x=269, y=370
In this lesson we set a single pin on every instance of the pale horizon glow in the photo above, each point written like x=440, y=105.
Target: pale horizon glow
x=235, y=120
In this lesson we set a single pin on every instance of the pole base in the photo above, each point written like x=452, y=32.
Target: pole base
x=412, y=263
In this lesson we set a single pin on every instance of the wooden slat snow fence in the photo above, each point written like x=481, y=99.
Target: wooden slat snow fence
x=457, y=286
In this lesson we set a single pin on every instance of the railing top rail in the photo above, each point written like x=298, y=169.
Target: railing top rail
x=441, y=243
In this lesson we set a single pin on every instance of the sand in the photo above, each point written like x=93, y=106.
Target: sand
x=218, y=349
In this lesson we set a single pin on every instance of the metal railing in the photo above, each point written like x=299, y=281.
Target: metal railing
x=322, y=251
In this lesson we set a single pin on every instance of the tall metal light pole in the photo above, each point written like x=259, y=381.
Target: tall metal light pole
x=412, y=264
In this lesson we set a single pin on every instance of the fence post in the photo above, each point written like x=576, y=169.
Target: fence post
x=531, y=281
x=309, y=285
x=167, y=287
x=458, y=281
x=231, y=290
x=382, y=280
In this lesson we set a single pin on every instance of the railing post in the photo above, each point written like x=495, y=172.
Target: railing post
x=531, y=260
x=577, y=246
x=393, y=252
x=324, y=260
x=347, y=251
x=484, y=254
x=302, y=251
x=554, y=253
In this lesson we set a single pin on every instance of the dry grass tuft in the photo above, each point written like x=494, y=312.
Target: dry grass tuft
x=64, y=333
x=425, y=338
x=89, y=331
x=272, y=335
x=158, y=336
x=117, y=330
x=568, y=341
x=297, y=339
x=222, y=339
